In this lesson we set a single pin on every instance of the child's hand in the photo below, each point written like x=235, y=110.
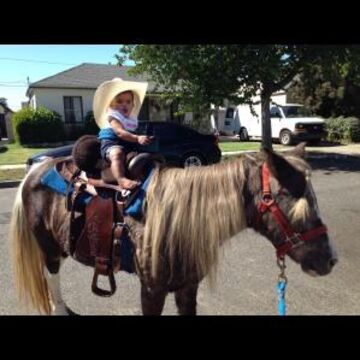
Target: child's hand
x=144, y=139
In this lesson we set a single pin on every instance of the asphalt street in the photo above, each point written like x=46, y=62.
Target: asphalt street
x=248, y=273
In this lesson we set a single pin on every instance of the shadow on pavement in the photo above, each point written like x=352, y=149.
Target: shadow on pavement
x=334, y=163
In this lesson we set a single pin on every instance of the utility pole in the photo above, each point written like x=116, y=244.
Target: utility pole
x=28, y=84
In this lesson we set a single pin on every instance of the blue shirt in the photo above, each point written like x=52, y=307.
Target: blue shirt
x=107, y=133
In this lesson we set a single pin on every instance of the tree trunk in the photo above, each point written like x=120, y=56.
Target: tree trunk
x=266, y=141
x=214, y=118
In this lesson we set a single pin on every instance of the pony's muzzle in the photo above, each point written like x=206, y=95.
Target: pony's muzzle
x=316, y=265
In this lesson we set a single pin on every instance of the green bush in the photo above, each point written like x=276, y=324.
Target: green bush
x=343, y=129
x=74, y=131
x=38, y=126
x=90, y=126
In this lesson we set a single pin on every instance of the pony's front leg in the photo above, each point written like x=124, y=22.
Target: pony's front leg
x=52, y=274
x=185, y=299
x=152, y=300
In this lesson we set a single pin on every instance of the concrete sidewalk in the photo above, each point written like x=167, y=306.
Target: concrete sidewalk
x=12, y=167
x=313, y=151
x=350, y=149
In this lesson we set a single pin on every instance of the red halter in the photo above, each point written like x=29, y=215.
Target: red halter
x=292, y=239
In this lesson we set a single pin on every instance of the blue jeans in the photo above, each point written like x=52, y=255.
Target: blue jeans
x=107, y=144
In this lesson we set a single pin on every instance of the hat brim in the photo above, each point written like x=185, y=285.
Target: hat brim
x=107, y=91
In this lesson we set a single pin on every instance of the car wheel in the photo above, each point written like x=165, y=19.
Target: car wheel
x=193, y=159
x=243, y=134
x=286, y=137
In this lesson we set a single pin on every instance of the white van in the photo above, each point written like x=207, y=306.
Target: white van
x=289, y=123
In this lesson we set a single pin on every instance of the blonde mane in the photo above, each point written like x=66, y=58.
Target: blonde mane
x=190, y=212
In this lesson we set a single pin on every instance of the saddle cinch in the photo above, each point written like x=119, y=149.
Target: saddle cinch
x=98, y=233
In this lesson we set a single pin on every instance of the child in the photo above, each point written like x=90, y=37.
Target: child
x=116, y=106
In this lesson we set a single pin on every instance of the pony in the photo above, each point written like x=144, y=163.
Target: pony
x=188, y=215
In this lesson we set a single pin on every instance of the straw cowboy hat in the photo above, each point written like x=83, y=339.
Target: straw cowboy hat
x=107, y=91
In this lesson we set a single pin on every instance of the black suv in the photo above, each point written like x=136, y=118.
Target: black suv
x=181, y=146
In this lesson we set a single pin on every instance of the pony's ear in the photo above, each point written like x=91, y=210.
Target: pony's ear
x=298, y=151
x=287, y=175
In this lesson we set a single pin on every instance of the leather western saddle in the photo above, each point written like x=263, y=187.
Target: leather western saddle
x=98, y=229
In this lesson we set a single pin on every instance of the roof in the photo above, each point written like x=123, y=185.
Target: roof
x=6, y=108
x=87, y=76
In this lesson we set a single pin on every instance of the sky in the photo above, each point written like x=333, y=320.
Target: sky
x=36, y=62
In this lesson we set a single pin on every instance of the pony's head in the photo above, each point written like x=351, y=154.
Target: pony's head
x=287, y=212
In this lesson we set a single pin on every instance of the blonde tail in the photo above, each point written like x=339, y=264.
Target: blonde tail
x=28, y=260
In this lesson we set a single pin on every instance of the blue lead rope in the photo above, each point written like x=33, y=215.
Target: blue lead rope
x=281, y=289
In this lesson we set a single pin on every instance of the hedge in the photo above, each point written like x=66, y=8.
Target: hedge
x=90, y=127
x=37, y=126
x=76, y=130
x=343, y=129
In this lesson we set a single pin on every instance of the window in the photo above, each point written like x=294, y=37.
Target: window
x=144, y=111
x=275, y=112
x=3, y=133
x=73, y=109
x=144, y=128
x=168, y=132
x=159, y=110
x=229, y=113
x=174, y=112
x=296, y=111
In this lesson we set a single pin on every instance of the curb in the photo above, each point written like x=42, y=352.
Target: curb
x=9, y=184
x=309, y=155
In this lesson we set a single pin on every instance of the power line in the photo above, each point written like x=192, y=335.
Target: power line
x=12, y=82
x=7, y=85
x=36, y=61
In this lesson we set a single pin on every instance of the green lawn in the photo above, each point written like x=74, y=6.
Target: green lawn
x=239, y=146
x=11, y=154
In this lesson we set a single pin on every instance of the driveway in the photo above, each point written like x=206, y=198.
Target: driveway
x=247, y=274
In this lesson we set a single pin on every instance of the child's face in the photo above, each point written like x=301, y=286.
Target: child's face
x=123, y=102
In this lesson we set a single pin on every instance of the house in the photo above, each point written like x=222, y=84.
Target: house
x=6, y=131
x=24, y=104
x=70, y=93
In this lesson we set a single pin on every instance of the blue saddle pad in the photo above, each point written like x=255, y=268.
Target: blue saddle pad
x=134, y=209
x=53, y=180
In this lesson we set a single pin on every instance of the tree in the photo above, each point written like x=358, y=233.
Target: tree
x=201, y=75
x=3, y=101
x=330, y=93
x=186, y=72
